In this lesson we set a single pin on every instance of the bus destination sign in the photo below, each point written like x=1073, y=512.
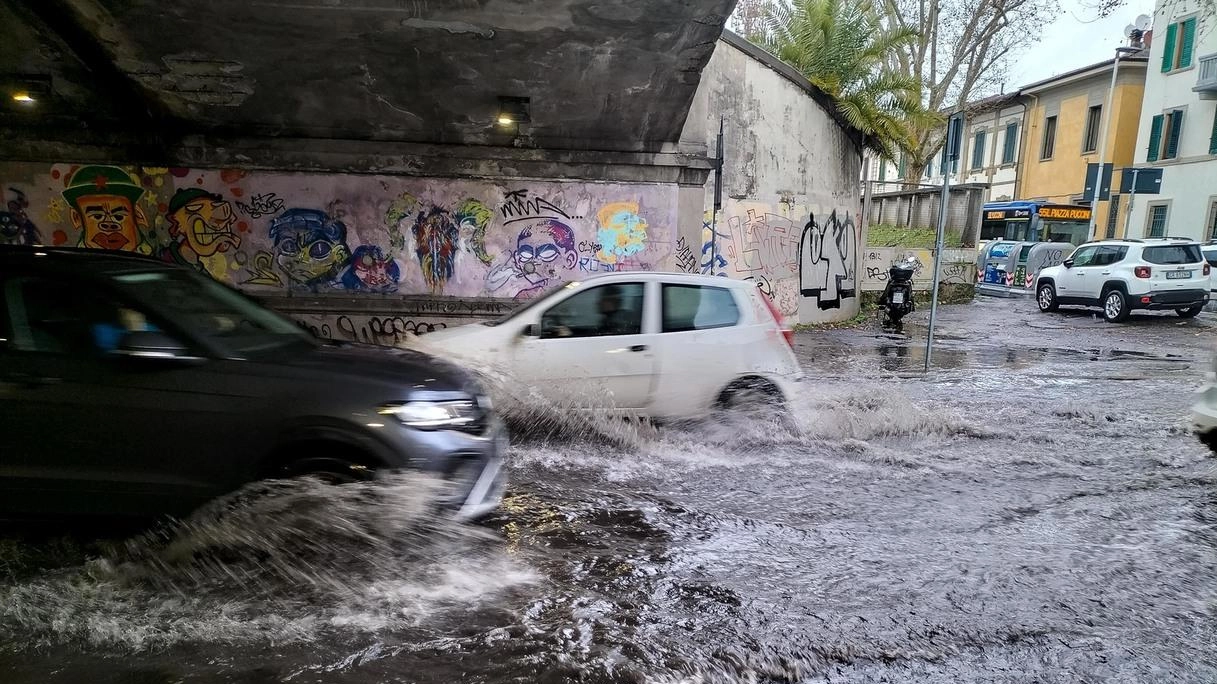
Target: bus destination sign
x=1066, y=213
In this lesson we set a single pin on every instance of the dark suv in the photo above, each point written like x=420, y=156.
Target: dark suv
x=129, y=386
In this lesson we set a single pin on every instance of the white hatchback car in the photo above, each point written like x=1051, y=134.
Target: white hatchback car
x=661, y=345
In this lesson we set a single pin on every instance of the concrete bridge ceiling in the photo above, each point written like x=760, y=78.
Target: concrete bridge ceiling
x=600, y=74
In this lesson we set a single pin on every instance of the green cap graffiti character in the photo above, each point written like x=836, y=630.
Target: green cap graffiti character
x=104, y=203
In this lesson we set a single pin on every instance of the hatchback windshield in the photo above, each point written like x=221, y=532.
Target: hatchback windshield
x=1172, y=254
x=211, y=311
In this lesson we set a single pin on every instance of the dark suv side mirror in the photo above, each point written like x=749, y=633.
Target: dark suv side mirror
x=148, y=344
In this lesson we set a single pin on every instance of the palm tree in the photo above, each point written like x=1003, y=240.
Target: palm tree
x=845, y=50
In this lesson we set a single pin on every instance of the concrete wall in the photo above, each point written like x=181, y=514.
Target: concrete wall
x=335, y=239
x=1189, y=182
x=958, y=267
x=791, y=202
x=919, y=209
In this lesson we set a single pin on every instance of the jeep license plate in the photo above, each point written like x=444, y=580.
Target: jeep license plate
x=1178, y=275
x=897, y=298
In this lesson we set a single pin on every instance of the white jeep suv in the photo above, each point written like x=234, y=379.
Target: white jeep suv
x=1122, y=275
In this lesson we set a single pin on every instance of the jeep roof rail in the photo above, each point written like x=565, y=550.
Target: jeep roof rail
x=1175, y=237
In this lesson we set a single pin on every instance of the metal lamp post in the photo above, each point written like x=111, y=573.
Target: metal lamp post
x=1106, y=117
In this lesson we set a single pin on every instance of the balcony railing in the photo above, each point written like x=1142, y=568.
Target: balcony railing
x=1206, y=79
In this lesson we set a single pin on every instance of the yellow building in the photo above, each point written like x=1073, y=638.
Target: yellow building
x=1064, y=124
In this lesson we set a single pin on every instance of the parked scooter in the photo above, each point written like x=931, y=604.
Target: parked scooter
x=897, y=297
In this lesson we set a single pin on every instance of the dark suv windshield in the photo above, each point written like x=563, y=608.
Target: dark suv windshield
x=1172, y=254
x=211, y=311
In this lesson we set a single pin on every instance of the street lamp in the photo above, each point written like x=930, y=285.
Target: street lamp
x=1106, y=117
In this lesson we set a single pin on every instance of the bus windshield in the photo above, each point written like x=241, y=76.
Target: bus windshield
x=1073, y=232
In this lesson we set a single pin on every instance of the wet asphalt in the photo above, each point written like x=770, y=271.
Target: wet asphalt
x=1032, y=510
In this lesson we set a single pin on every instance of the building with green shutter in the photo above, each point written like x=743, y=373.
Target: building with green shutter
x=1178, y=127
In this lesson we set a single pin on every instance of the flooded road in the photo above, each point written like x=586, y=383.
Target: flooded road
x=1032, y=511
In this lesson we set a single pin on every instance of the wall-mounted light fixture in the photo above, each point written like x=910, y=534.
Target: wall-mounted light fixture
x=513, y=111
x=26, y=90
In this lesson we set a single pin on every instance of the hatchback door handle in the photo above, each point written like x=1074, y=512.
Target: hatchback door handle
x=638, y=348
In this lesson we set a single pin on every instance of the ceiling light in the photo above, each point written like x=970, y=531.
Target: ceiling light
x=513, y=111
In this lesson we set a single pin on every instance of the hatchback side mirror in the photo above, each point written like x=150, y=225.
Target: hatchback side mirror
x=148, y=344
x=1068, y=263
x=531, y=330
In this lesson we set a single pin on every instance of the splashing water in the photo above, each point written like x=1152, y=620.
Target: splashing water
x=282, y=560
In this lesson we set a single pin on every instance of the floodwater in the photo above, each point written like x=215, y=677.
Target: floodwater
x=1032, y=511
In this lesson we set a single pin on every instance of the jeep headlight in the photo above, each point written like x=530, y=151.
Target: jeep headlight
x=434, y=415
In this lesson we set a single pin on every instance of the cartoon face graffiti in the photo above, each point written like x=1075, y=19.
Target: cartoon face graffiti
x=371, y=270
x=104, y=202
x=203, y=221
x=545, y=252
x=622, y=232
x=310, y=247
x=15, y=225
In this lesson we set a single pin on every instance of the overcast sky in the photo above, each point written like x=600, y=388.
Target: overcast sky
x=1070, y=42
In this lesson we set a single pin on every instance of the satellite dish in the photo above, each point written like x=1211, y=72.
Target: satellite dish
x=1143, y=22
x=1128, y=30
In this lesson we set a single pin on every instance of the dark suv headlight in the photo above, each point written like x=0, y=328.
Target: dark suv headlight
x=464, y=415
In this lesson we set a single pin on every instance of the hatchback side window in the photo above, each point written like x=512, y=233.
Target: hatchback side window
x=693, y=307
x=596, y=312
x=54, y=317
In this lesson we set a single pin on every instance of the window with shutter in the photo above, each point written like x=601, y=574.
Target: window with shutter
x=1213, y=135
x=1187, y=44
x=1113, y=215
x=1175, y=127
x=1049, y=145
x=1007, y=155
x=882, y=169
x=978, y=150
x=1157, y=220
x=1094, y=118
x=1168, y=48
x=1155, y=138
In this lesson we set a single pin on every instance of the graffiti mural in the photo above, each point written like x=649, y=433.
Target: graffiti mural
x=16, y=228
x=103, y=202
x=956, y=266
x=200, y=227
x=544, y=256
x=622, y=233
x=310, y=247
x=371, y=270
x=358, y=234
x=828, y=256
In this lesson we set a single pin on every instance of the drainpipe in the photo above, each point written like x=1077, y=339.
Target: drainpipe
x=1020, y=169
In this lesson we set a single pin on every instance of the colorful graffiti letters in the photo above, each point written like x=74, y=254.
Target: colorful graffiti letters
x=310, y=247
